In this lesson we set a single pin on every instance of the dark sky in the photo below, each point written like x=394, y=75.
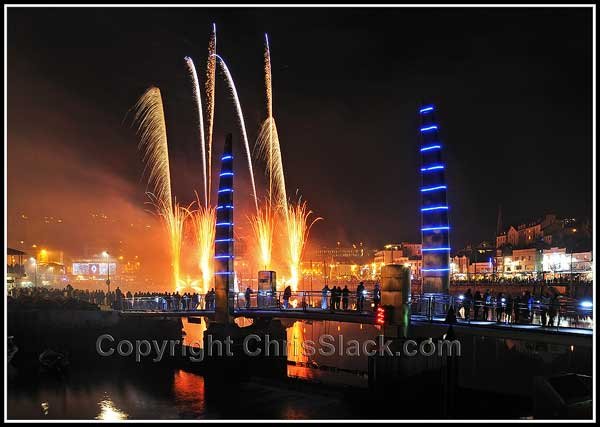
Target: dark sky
x=513, y=89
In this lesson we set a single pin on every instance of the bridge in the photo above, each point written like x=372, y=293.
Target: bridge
x=567, y=317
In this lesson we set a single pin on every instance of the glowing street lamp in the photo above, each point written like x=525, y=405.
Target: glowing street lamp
x=105, y=255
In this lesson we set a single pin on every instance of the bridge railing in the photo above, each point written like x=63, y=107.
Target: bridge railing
x=305, y=301
x=563, y=312
x=162, y=303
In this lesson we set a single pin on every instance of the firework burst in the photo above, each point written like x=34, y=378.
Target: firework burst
x=267, y=144
x=298, y=228
x=204, y=225
x=150, y=117
x=263, y=224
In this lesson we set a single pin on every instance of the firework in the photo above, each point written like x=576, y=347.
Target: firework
x=240, y=116
x=204, y=225
x=197, y=98
x=298, y=228
x=262, y=225
x=149, y=114
x=268, y=146
x=211, y=68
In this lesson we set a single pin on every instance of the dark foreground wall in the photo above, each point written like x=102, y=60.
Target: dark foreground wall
x=76, y=331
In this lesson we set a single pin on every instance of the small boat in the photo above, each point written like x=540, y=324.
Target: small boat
x=53, y=361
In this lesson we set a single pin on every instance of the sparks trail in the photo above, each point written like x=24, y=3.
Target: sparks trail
x=240, y=115
x=211, y=67
x=197, y=97
x=149, y=114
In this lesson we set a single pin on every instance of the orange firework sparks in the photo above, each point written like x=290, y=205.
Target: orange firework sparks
x=204, y=225
x=262, y=225
x=149, y=114
x=298, y=228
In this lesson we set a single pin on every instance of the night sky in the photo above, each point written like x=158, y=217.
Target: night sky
x=513, y=88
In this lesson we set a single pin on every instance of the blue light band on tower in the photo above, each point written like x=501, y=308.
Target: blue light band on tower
x=435, y=227
x=224, y=255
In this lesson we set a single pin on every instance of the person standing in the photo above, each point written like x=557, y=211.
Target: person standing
x=487, y=302
x=509, y=309
x=360, y=296
x=545, y=306
x=287, y=293
x=499, y=307
x=324, y=293
x=345, y=294
x=247, y=296
x=468, y=299
x=332, y=294
x=376, y=296
x=517, y=308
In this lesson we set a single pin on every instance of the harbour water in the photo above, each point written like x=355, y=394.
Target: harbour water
x=167, y=391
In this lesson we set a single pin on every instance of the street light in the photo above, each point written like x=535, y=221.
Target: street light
x=34, y=262
x=105, y=255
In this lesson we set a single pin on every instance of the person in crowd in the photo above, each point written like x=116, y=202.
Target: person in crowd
x=517, y=308
x=332, y=294
x=467, y=301
x=499, y=306
x=345, y=294
x=545, y=305
x=324, y=293
x=487, y=303
x=247, y=296
x=508, y=317
x=338, y=297
x=376, y=296
x=118, y=299
x=360, y=296
x=287, y=294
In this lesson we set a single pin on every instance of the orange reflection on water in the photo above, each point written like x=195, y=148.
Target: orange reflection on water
x=189, y=391
x=295, y=337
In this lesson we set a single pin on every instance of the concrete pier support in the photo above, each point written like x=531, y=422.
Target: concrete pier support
x=395, y=290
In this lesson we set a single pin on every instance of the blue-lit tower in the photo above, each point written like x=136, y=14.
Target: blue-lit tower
x=224, y=272
x=434, y=206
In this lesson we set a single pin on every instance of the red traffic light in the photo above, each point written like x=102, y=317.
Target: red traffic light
x=380, y=316
x=383, y=315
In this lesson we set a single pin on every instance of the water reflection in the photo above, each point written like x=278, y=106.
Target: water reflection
x=109, y=412
x=188, y=389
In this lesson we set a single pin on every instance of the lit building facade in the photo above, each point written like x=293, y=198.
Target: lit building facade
x=434, y=207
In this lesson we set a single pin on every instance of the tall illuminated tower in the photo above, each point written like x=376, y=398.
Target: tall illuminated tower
x=224, y=272
x=434, y=206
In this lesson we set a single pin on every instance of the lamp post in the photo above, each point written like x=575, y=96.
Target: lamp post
x=105, y=255
x=35, y=274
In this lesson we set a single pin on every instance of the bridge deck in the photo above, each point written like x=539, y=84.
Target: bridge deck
x=419, y=322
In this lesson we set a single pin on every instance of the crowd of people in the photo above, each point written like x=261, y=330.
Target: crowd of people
x=338, y=298
x=545, y=309
x=511, y=309
x=527, y=281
